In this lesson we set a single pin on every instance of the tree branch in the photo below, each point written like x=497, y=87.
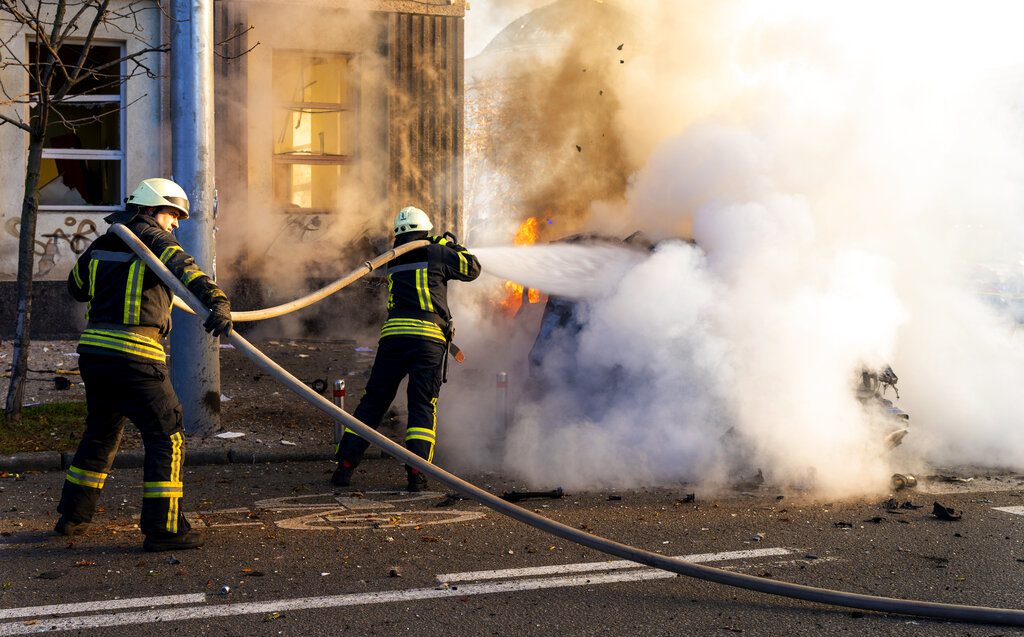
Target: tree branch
x=22, y=125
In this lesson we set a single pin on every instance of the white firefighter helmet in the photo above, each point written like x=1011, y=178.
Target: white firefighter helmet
x=411, y=219
x=156, y=192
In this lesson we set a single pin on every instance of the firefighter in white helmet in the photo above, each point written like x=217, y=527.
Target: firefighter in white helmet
x=414, y=342
x=122, y=361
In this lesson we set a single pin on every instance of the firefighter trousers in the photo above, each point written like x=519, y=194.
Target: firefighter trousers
x=117, y=388
x=420, y=359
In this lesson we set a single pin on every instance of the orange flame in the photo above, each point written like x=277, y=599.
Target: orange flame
x=526, y=234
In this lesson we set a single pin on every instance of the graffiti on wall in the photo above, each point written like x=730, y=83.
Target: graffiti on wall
x=58, y=246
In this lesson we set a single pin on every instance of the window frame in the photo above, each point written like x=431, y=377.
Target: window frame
x=350, y=107
x=120, y=155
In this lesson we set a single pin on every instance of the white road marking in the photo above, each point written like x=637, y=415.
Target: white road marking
x=1013, y=510
x=337, y=601
x=590, y=567
x=131, y=602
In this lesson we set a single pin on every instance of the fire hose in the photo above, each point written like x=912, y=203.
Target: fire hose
x=319, y=295
x=955, y=612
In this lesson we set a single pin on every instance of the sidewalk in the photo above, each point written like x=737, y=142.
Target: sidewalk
x=276, y=426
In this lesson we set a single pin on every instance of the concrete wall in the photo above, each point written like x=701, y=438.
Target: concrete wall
x=62, y=236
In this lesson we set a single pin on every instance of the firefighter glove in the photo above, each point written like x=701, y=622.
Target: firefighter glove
x=219, y=320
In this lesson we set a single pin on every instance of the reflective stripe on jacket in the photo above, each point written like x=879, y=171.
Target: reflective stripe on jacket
x=418, y=288
x=129, y=308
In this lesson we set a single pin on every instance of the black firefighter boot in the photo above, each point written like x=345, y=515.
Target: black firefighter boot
x=343, y=474
x=68, y=527
x=190, y=539
x=417, y=481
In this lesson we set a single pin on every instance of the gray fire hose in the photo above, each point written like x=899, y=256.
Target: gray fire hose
x=319, y=295
x=956, y=612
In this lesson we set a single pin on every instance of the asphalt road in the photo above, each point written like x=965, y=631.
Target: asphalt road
x=287, y=554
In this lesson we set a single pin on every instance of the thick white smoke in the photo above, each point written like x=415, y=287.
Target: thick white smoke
x=847, y=171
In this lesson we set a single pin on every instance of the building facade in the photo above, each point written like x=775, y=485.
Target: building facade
x=329, y=116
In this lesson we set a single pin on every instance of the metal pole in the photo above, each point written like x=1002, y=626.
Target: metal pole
x=195, y=356
x=339, y=401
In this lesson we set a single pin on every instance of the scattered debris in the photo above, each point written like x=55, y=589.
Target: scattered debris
x=946, y=513
x=173, y=560
x=450, y=499
x=619, y=48
x=82, y=563
x=843, y=525
x=224, y=398
x=892, y=504
x=363, y=349
x=757, y=537
x=227, y=346
x=394, y=571
x=224, y=590
x=579, y=149
x=690, y=497
x=810, y=556
x=430, y=538
x=903, y=481
x=273, y=616
x=229, y=435
x=875, y=520
x=519, y=496
x=614, y=498
x=750, y=484
x=288, y=443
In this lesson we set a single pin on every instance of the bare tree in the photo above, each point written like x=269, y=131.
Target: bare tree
x=56, y=64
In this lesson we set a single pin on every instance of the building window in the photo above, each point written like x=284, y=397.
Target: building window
x=83, y=163
x=313, y=130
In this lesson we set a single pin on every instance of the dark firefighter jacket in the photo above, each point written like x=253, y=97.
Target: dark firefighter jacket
x=129, y=307
x=418, y=287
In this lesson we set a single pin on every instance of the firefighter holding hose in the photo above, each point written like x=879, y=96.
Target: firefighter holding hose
x=124, y=367
x=414, y=342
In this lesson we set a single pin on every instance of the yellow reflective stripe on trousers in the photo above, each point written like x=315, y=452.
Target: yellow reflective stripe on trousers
x=422, y=433
x=133, y=293
x=423, y=290
x=161, y=489
x=166, y=255
x=177, y=455
x=463, y=264
x=86, y=478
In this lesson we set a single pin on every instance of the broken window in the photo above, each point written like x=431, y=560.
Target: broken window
x=83, y=149
x=313, y=140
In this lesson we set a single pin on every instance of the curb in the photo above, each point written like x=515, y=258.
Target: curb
x=32, y=461
x=58, y=461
